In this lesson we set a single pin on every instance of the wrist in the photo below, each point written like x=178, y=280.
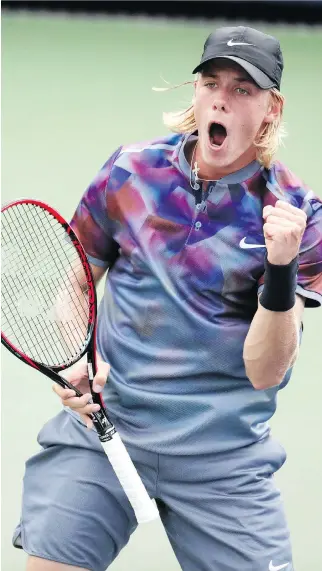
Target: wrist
x=279, y=260
x=279, y=286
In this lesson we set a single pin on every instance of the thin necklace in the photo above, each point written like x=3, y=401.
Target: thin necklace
x=195, y=172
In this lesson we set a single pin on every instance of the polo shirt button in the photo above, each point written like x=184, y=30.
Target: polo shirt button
x=198, y=225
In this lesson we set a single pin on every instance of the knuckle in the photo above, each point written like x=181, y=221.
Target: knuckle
x=270, y=209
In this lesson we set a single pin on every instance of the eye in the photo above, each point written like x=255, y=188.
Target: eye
x=211, y=84
x=242, y=91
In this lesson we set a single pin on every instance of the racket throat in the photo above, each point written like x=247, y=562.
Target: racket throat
x=90, y=373
x=103, y=426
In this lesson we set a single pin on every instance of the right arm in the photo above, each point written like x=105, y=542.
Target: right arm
x=77, y=376
x=94, y=229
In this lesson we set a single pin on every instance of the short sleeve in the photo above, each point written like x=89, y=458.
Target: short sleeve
x=91, y=222
x=309, y=281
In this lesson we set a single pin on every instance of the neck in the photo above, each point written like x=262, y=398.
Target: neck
x=215, y=172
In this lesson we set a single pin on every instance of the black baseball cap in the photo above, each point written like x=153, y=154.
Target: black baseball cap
x=257, y=53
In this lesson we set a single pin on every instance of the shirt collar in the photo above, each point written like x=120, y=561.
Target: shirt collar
x=234, y=178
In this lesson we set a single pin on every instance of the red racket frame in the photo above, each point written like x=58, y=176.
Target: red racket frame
x=100, y=419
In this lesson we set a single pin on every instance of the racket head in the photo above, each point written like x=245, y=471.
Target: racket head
x=48, y=296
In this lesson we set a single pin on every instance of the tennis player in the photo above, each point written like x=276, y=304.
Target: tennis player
x=213, y=250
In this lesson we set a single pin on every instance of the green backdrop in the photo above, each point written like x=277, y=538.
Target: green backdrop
x=74, y=90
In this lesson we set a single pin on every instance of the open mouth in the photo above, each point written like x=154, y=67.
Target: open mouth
x=217, y=134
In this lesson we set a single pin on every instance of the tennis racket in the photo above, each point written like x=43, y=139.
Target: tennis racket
x=49, y=311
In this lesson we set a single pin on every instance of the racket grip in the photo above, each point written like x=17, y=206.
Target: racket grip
x=144, y=508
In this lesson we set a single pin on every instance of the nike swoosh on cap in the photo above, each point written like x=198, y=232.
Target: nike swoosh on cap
x=243, y=244
x=272, y=567
x=232, y=43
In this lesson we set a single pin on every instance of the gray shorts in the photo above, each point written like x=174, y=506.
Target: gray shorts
x=221, y=513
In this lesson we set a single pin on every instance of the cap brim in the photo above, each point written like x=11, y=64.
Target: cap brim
x=256, y=74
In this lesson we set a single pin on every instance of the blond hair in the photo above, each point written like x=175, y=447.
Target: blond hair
x=268, y=140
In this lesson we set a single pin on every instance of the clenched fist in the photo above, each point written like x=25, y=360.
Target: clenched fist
x=283, y=231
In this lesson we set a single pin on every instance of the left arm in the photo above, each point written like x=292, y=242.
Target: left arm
x=272, y=344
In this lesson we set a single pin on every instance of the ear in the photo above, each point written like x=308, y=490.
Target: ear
x=274, y=110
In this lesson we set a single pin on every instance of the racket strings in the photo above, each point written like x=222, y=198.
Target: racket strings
x=45, y=309
x=29, y=308
x=41, y=299
x=14, y=314
x=50, y=268
x=75, y=259
x=12, y=321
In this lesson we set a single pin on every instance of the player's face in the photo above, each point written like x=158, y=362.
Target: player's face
x=230, y=110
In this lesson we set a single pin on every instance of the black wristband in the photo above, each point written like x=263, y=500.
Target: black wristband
x=279, y=286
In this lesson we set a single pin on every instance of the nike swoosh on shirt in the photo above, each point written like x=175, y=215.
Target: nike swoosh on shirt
x=243, y=244
x=232, y=43
x=276, y=567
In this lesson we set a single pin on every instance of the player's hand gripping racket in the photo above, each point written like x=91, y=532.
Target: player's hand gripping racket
x=48, y=303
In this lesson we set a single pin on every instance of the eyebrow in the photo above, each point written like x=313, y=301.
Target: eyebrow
x=239, y=78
